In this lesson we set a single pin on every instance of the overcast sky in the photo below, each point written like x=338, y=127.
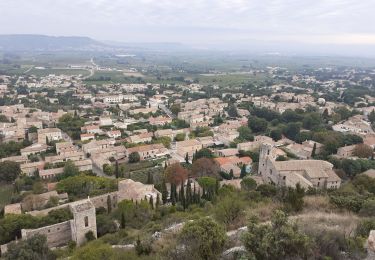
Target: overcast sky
x=195, y=21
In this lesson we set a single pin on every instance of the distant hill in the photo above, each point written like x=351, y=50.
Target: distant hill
x=30, y=42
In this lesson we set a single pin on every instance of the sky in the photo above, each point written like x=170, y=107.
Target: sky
x=199, y=22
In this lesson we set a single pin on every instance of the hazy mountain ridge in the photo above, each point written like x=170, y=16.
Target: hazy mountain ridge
x=31, y=42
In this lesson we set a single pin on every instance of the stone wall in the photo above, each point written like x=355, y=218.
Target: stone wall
x=57, y=235
x=101, y=200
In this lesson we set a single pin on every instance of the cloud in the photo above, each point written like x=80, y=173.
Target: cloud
x=193, y=20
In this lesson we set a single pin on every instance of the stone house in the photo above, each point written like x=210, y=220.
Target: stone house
x=151, y=151
x=308, y=173
x=50, y=134
x=188, y=147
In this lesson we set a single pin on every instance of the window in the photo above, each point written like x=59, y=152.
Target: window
x=86, y=221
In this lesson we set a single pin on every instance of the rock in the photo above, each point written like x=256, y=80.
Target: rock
x=371, y=245
x=232, y=252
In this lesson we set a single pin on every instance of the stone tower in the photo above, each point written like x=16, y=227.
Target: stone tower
x=84, y=220
x=265, y=156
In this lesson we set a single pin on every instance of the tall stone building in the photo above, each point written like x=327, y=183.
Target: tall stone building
x=308, y=173
x=84, y=221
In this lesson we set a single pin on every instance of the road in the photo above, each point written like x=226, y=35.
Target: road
x=99, y=172
x=166, y=110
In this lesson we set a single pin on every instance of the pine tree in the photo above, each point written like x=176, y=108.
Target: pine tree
x=313, y=152
x=122, y=220
x=109, y=204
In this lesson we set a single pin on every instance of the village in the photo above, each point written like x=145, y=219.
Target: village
x=73, y=150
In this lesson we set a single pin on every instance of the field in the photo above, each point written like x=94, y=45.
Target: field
x=48, y=71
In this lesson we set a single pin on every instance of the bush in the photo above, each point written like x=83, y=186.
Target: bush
x=229, y=210
x=368, y=208
x=134, y=157
x=90, y=236
x=364, y=227
x=203, y=239
x=280, y=240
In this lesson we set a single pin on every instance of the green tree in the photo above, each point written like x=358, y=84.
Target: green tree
x=95, y=250
x=70, y=169
x=35, y=247
x=134, y=157
x=204, y=153
x=291, y=130
x=243, y=171
x=9, y=171
x=229, y=210
x=164, y=192
x=248, y=184
x=117, y=172
x=313, y=152
x=180, y=137
x=123, y=222
x=280, y=240
x=371, y=116
x=257, y=124
x=276, y=134
x=294, y=198
x=245, y=133
x=232, y=111
x=109, y=204
x=203, y=239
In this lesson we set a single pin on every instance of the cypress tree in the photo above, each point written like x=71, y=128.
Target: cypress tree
x=117, y=170
x=173, y=194
x=182, y=195
x=231, y=176
x=188, y=193
x=122, y=220
x=109, y=204
x=187, y=158
x=313, y=152
x=217, y=186
x=164, y=192
x=149, y=178
x=243, y=171
x=157, y=201
x=152, y=202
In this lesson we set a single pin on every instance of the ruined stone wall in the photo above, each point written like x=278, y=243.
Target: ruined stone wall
x=57, y=235
x=101, y=200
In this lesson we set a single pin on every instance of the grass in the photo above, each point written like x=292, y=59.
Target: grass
x=6, y=192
